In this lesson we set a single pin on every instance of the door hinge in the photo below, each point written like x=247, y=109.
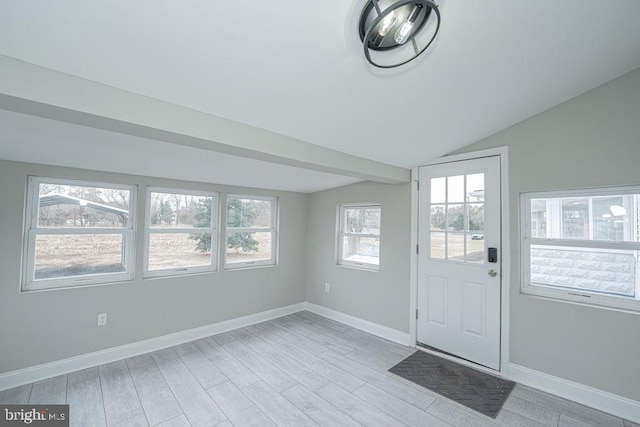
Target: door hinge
x=417, y=249
x=417, y=185
x=416, y=314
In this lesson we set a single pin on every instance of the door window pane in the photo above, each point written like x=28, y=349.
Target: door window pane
x=475, y=216
x=475, y=187
x=438, y=219
x=459, y=212
x=475, y=248
x=438, y=190
x=455, y=246
x=455, y=217
x=455, y=189
x=438, y=248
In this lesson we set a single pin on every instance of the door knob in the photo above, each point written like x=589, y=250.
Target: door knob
x=492, y=273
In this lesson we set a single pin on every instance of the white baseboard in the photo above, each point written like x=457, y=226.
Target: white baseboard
x=589, y=396
x=60, y=367
x=364, y=325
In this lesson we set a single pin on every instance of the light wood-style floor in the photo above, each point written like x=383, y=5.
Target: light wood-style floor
x=298, y=370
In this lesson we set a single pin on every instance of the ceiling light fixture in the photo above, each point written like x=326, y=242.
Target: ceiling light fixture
x=389, y=25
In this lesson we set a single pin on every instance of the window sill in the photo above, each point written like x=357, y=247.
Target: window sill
x=583, y=298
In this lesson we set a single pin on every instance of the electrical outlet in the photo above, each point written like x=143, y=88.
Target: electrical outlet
x=327, y=287
x=102, y=319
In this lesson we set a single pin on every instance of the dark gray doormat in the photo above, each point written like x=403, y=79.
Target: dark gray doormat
x=474, y=389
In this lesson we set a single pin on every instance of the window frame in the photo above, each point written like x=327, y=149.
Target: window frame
x=575, y=295
x=274, y=230
x=341, y=261
x=31, y=230
x=213, y=229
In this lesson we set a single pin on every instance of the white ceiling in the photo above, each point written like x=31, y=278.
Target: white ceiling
x=297, y=69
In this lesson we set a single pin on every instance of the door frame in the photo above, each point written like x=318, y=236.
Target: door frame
x=503, y=153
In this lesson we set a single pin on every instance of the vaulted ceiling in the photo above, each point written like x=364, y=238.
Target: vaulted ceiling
x=278, y=94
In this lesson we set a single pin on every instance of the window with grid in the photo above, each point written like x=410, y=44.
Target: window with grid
x=583, y=245
x=180, y=232
x=77, y=233
x=251, y=231
x=456, y=218
x=359, y=236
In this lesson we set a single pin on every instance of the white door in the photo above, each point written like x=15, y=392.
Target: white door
x=459, y=265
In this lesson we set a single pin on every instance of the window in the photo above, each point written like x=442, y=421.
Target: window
x=251, y=232
x=180, y=232
x=456, y=218
x=77, y=233
x=359, y=236
x=583, y=245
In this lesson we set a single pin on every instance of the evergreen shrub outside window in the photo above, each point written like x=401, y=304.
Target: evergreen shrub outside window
x=251, y=231
x=180, y=227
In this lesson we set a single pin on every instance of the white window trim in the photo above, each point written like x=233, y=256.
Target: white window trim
x=213, y=229
x=29, y=283
x=273, y=230
x=577, y=295
x=341, y=234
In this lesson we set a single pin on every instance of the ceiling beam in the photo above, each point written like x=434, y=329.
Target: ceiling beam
x=30, y=89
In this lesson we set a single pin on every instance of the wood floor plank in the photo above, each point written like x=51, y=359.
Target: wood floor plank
x=231, y=367
x=301, y=342
x=356, y=407
x=316, y=408
x=324, y=372
x=512, y=419
x=200, y=365
x=223, y=338
x=532, y=411
x=164, y=354
x=418, y=397
x=572, y=409
x=51, y=391
x=17, y=395
x=265, y=370
x=195, y=402
x=180, y=421
x=567, y=421
x=156, y=398
x=85, y=404
x=83, y=375
x=332, y=373
x=339, y=327
x=276, y=407
x=395, y=407
x=118, y=392
x=237, y=407
x=321, y=336
x=455, y=415
x=139, y=421
x=306, y=376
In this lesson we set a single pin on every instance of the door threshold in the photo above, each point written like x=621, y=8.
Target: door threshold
x=457, y=359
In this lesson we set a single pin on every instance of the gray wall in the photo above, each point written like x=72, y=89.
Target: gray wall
x=39, y=327
x=592, y=140
x=381, y=297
